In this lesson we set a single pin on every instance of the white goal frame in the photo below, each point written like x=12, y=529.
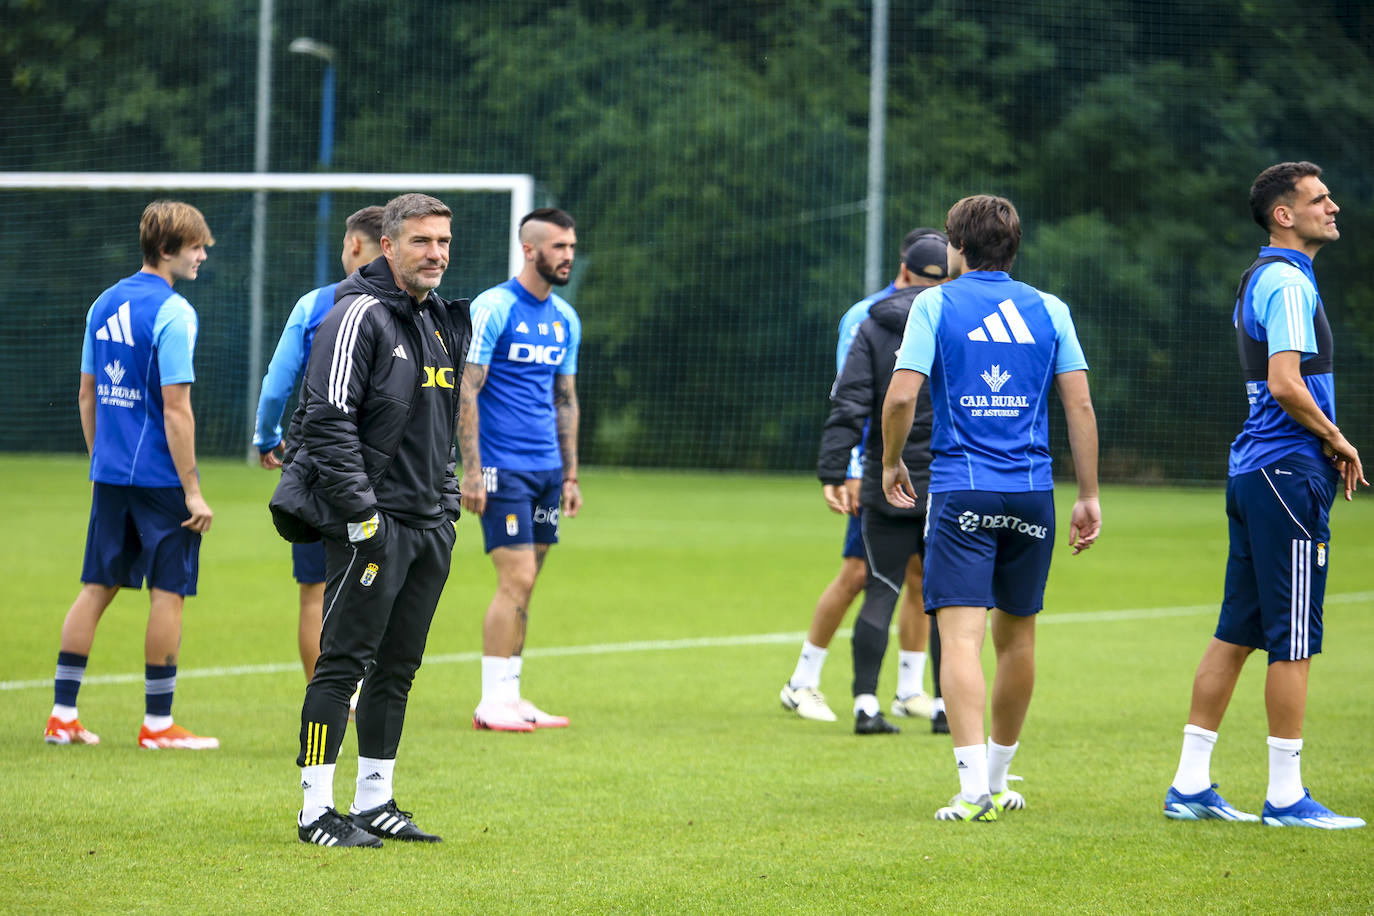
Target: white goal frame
x=520, y=188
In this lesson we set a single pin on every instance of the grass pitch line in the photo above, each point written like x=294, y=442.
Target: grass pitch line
x=665, y=645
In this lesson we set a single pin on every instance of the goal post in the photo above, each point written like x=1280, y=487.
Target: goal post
x=519, y=189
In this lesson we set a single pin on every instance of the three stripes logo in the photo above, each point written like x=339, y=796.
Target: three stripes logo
x=117, y=328
x=994, y=329
x=389, y=822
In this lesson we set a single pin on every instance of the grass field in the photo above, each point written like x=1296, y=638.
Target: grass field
x=664, y=625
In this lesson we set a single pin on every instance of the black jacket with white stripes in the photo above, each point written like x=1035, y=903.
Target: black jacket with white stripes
x=857, y=399
x=369, y=363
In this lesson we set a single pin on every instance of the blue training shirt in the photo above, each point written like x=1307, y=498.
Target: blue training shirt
x=140, y=335
x=991, y=347
x=287, y=363
x=524, y=342
x=1282, y=310
x=849, y=329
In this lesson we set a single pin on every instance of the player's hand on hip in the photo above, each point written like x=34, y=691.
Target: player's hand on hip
x=270, y=459
x=472, y=493
x=201, y=515
x=1085, y=524
x=572, y=497
x=897, y=486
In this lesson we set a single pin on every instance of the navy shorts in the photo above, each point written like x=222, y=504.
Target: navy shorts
x=307, y=563
x=1280, y=550
x=854, y=537
x=135, y=534
x=987, y=549
x=522, y=507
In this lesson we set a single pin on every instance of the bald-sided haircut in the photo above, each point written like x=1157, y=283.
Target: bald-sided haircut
x=551, y=215
x=367, y=222
x=410, y=206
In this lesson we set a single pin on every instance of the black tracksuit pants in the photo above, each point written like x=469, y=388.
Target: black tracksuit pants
x=889, y=544
x=379, y=600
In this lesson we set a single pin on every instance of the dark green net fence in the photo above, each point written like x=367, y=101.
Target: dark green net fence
x=715, y=157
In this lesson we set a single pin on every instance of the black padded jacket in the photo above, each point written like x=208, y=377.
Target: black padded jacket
x=366, y=371
x=857, y=398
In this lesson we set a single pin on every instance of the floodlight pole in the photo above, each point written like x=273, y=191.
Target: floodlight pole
x=257, y=270
x=877, y=121
x=318, y=49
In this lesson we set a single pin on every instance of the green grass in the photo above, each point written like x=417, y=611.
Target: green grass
x=682, y=787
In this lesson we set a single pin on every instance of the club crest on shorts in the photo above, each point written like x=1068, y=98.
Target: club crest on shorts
x=1321, y=555
x=512, y=525
x=369, y=574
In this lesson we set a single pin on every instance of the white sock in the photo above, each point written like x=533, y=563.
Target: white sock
x=493, y=673
x=318, y=783
x=972, y=761
x=157, y=723
x=809, y=665
x=65, y=713
x=512, y=688
x=938, y=706
x=999, y=761
x=1285, y=771
x=866, y=703
x=374, y=783
x=911, y=673
x=1195, y=763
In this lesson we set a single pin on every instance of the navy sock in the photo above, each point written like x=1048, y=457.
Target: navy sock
x=71, y=668
x=159, y=683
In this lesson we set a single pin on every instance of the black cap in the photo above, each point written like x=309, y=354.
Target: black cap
x=927, y=257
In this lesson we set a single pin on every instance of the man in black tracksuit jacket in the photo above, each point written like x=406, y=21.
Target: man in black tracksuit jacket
x=370, y=468
x=893, y=537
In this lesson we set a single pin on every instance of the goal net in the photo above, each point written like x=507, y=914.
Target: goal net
x=80, y=235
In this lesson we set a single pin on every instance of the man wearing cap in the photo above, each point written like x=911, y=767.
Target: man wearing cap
x=892, y=538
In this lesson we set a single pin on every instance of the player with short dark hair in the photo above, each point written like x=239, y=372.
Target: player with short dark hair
x=147, y=510
x=518, y=437
x=990, y=347
x=370, y=468
x=801, y=693
x=1284, y=469
x=362, y=244
x=892, y=538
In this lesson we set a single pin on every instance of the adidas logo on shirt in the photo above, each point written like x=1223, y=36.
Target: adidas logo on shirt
x=117, y=328
x=399, y=352
x=994, y=329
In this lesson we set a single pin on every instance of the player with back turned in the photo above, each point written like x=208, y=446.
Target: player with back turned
x=1284, y=470
x=991, y=347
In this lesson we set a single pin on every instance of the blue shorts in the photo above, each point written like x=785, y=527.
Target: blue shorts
x=1280, y=550
x=854, y=537
x=307, y=563
x=522, y=507
x=135, y=534
x=988, y=549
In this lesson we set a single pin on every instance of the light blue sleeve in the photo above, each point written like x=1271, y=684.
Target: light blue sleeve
x=174, y=331
x=283, y=371
x=569, y=364
x=87, y=357
x=1285, y=302
x=490, y=312
x=1070, y=357
x=918, y=340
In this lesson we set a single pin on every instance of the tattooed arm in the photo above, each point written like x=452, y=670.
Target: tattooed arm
x=565, y=404
x=469, y=424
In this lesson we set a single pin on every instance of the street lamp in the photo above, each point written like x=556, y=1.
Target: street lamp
x=318, y=49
